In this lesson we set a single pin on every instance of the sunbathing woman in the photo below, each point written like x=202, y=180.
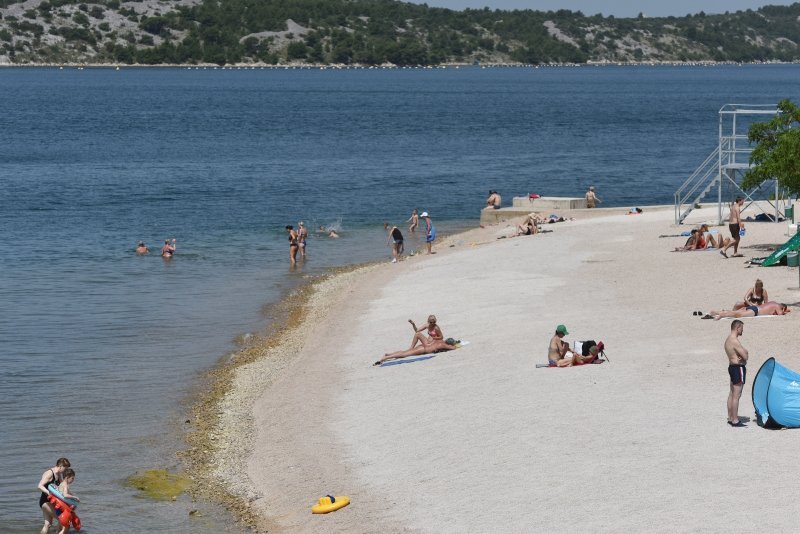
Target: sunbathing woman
x=434, y=333
x=756, y=296
x=431, y=348
x=705, y=239
x=690, y=244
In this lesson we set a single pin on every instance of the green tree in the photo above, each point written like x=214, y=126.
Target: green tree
x=777, y=151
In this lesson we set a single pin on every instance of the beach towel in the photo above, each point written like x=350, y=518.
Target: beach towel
x=423, y=357
x=756, y=317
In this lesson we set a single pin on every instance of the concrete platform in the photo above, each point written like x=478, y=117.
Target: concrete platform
x=521, y=206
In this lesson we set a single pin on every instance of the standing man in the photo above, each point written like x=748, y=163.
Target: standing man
x=591, y=198
x=737, y=360
x=735, y=225
x=430, y=231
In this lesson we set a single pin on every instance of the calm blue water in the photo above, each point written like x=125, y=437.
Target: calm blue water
x=99, y=347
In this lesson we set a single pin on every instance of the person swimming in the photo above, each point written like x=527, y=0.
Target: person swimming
x=168, y=250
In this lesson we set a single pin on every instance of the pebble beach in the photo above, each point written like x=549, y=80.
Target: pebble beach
x=479, y=439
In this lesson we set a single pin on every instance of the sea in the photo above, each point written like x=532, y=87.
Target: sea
x=100, y=348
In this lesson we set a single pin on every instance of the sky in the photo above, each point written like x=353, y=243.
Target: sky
x=618, y=8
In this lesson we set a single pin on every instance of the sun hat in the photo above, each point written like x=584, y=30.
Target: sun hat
x=561, y=329
x=424, y=214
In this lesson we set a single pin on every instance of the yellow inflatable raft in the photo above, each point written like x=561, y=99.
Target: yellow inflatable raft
x=329, y=503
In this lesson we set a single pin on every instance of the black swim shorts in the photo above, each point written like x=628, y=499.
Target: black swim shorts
x=738, y=373
x=754, y=309
x=734, y=228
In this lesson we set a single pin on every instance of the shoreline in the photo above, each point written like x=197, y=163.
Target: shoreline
x=219, y=436
x=324, y=66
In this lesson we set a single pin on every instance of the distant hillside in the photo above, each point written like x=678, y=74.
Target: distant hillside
x=374, y=32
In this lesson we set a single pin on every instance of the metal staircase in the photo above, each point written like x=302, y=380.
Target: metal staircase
x=726, y=165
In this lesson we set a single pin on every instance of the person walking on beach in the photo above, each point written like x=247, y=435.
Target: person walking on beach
x=302, y=235
x=736, y=227
x=141, y=249
x=414, y=220
x=430, y=232
x=591, y=198
x=737, y=370
x=54, y=475
x=396, y=240
x=293, y=244
x=168, y=250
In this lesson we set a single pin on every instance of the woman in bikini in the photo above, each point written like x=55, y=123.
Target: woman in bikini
x=434, y=347
x=294, y=244
x=705, y=239
x=755, y=296
x=433, y=331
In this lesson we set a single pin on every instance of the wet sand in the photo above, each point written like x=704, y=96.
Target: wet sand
x=479, y=440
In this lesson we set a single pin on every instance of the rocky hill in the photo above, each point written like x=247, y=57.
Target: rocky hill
x=374, y=32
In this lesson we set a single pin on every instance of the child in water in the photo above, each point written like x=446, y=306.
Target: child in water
x=63, y=488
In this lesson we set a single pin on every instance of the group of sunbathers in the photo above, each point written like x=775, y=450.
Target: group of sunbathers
x=702, y=238
x=530, y=224
x=429, y=342
x=559, y=353
x=756, y=302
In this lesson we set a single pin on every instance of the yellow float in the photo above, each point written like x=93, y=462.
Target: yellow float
x=329, y=503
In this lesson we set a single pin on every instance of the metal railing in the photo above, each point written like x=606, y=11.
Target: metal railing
x=697, y=186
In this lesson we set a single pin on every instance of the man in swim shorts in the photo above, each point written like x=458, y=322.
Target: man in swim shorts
x=768, y=308
x=735, y=225
x=737, y=371
x=558, y=353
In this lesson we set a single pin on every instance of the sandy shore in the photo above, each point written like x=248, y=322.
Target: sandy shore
x=479, y=440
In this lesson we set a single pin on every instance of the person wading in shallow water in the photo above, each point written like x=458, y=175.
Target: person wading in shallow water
x=51, y=476
x=168, y=250
x=302, y=236
x=294, y=244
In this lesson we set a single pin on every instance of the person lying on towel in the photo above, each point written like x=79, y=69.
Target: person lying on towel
x=431, y=348
x=768, y=308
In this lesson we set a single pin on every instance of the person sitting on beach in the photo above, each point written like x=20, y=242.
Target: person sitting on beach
x=558, y=353
x=705, y=239
x=414, y=220
x=690, y=244
x=529, y=225
x=431, y=348
x=141, y=249
x=433, y=331
x=755, y=296
x=768, y=308
x=494, y=201
x=168, y=250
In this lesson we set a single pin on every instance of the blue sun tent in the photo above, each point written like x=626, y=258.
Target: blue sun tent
x=776, y=396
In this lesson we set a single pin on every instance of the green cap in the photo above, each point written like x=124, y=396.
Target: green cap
x=561, y=329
